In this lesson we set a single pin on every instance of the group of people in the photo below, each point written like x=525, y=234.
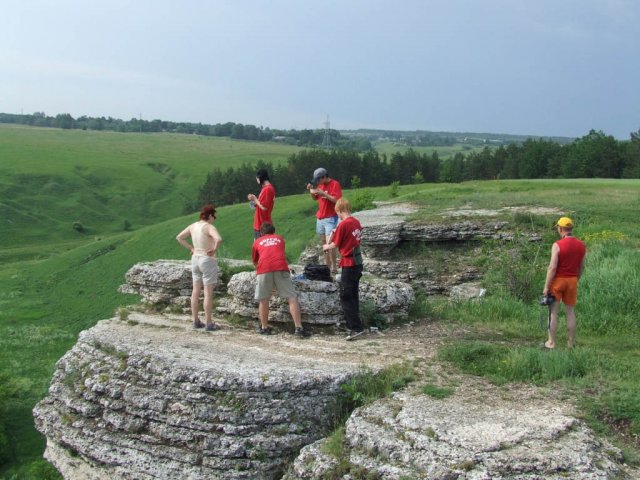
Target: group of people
x=340, y=232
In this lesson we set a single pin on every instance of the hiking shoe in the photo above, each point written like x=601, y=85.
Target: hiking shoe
x=212, y=327
x=354, y=334
x=302, y=333
x=198, y=324
x=265, y=331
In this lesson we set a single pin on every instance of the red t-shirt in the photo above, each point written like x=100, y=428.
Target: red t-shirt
x=267, y=198
x=347, y=236
x=570, y=257
x=267, y=254
x=326, y=208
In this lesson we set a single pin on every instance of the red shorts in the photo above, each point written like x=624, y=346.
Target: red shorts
x=565, y=289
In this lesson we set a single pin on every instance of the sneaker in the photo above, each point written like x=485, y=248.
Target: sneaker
x=265, y=331
x=354, y=334
x=212, y=327
x=302, y=333
x=198, y=324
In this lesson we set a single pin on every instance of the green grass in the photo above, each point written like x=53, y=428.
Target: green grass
x=46, y=302
x=437, y=392
x=51, y=178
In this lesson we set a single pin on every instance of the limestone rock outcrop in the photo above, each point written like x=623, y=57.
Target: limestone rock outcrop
x=419, y=437
x=319, y=301
x=145, y=399
x=167, y=282
x=386, y=227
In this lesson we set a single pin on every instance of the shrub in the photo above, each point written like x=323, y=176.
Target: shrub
x=395, y=187
x=362, y=200
x=77, y=226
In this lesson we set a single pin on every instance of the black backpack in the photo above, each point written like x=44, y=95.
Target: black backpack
x=317, y=272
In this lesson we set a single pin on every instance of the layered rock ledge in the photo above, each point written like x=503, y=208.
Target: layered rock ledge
x=148, y=398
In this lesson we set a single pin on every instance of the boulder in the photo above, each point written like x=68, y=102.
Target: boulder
x=319, y=301
x=416, y=436
x=167, y=282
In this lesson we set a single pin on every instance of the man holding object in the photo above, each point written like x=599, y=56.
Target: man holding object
x=565, y=268
x=326, y=191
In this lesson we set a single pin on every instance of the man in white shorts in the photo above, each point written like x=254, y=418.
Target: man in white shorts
x=204, y=268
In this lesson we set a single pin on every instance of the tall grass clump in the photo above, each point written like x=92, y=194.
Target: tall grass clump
x=504, y=364
x=608, y=299
x=368, y=386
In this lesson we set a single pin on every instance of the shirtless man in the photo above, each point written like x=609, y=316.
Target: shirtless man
x=204, y=269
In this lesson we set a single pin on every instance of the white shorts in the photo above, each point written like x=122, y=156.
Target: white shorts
x=204, y=269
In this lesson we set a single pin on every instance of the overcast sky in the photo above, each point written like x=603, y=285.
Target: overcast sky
x=537, y=67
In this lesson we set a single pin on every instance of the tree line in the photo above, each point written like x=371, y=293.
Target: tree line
x=595, y=155
x=304, y=137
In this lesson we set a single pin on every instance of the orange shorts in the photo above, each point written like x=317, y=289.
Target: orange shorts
x=565, y=290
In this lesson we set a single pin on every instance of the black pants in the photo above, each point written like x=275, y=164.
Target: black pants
x=349, y=284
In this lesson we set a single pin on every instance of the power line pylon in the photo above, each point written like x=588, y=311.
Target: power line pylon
x=326, y=141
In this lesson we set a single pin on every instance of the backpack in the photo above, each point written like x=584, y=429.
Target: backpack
x=314, y=271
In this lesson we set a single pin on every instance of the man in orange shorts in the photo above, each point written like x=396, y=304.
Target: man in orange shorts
x=565, y=269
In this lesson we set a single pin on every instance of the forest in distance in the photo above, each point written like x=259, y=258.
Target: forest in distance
x=595, y=155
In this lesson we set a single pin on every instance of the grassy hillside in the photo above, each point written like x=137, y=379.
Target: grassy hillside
x=44, y=304
x=51, y=178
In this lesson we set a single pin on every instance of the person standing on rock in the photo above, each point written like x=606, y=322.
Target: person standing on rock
x=326, y=191
x=272, y=269
x=564, y=271
x=346, y=238
x=204, y=269
x=263, y=203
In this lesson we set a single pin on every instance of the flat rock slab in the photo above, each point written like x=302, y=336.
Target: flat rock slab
x=146, y=396
x=478, y=433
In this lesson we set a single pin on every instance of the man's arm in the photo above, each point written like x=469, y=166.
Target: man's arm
x=217, y=240
x=182, y=238
x=551, y=270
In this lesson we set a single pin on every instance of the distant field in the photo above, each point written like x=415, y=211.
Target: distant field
x=51, y=178
x=390, y=148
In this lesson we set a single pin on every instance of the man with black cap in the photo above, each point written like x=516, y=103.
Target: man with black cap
x=565, y=269
x=263, y=204
x=326, y=191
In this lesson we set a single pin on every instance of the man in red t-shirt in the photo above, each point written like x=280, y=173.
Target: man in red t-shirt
x=346, y=238
x=565, y=268
x=272, y=269
x=326, y=191
x=263, y=204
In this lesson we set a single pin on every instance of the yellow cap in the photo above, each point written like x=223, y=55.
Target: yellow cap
x=565, y=222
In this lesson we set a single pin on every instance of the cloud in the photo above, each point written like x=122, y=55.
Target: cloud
x=47, y=67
